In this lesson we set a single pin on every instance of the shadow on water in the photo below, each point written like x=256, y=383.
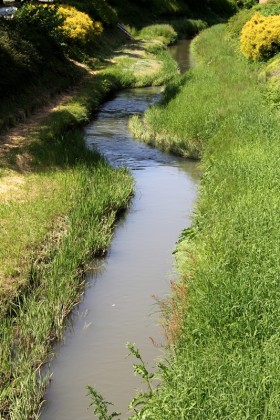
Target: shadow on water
x=118, y=304
x=181, y=53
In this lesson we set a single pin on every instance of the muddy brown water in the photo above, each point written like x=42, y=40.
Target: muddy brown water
x=118, y=305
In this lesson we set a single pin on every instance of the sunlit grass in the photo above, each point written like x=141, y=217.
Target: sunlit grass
x=58, y=205
x=97, y=194
x=162, y=32
x=225, y=364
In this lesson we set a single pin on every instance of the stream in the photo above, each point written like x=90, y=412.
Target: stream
x=118, y=305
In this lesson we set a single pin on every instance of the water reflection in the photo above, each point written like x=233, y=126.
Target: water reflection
x=181, y=53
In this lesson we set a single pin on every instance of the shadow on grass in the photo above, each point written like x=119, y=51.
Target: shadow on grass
x=59, y=142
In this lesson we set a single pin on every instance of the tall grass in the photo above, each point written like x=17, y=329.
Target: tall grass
x=60, y=216
x=37, y=318
x=191, y=112
x=225, y=365
x=59, y=203
x=187, y=28
x=161, y=31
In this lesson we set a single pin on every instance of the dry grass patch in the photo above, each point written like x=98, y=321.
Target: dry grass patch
x=31, y=205
x=11, y=188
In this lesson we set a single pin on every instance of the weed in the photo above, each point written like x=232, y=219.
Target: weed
x=100, y=406
x=138, y=404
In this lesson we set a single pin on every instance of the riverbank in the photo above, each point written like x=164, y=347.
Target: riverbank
x=47, y=63
x=224, y=315
x=58, y=200
x=59, y=203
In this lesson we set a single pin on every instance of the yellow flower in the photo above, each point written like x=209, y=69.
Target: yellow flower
x=78, y=26
x=260, y=37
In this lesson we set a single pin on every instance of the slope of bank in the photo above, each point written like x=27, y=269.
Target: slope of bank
x=58, y=200
x=141, y=13
x=59, y=203
x=224, y=315
x=42, y=59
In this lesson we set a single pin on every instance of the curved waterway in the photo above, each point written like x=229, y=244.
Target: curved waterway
x=118, y=305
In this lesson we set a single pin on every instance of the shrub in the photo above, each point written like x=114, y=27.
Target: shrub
x=77, y=26
x=43, y=19
x=223, y=7
x=18, y=59
x=270, y=76
x=96, y=9
x=269, y=9
x=167, y=7
x=236, y=22
x=247, y=4
x=260, y=37
x=103, y=12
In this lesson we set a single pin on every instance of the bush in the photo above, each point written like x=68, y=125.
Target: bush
x=43, y=19
x=270, y=76
x=223, y=7
x=102, y=11
x=96, y=9
x=18, y=59
x=236, y=22
x=260, y=37
x=77, y=26
x=247, y=4
x=269, y=9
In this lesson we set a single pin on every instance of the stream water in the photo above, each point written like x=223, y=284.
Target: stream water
x=118, y=305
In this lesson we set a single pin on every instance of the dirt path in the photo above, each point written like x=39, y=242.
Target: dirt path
x=15, y=136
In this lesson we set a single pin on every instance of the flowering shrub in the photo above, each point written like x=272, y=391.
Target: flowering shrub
x=78, y=27
x=98, y=10
x=260, y=37
x=41, y=18
x=237, y=21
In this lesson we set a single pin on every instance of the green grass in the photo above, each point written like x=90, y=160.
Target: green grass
x=188, y=28
x=163, y=31
x=225, y=365
x=60, y=216
x=59, y=202
x=149, y=64
x=92, y=196
x=190, y=113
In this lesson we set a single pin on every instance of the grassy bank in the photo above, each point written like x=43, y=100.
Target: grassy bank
x=173, y=125
x=53, y=220
x=42, y=59
x=142, y=13
x=225, y=363
x=59, y=203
